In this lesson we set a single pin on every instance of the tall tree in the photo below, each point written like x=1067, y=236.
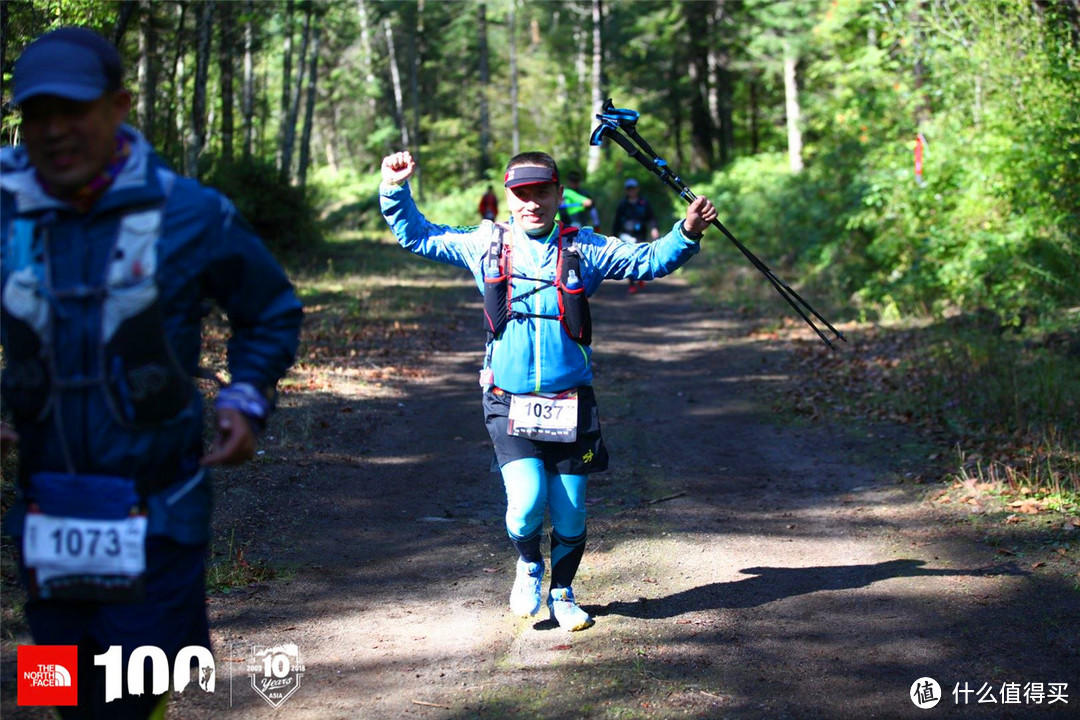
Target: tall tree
x=288, y=141
x=515, y=120
x=286, y=88
x=225, y=74
x=395, y=81
x=719, y=81
x=249, y=77
x=176, y=117
x=485, y=86
x=794, y=112
x=127, y=10
x=597, y=76
x=309, y=110
x=147, y=69
x=367, y=57
x=203, y=34
x=414, y=91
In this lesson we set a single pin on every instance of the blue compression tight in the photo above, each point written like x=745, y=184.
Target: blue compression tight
x=529, y=489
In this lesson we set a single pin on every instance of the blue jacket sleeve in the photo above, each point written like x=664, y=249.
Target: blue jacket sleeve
x=462, y=247
x=251, y=287
x=617, y=259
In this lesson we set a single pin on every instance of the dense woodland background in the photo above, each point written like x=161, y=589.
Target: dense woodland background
x=799, y=116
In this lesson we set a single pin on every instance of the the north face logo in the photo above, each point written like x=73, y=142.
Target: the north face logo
x=48, y=675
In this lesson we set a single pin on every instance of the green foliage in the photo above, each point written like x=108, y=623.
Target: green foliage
x=279, y=212
x=993, y=87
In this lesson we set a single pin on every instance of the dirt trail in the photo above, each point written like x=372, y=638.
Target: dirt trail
x=738, y=566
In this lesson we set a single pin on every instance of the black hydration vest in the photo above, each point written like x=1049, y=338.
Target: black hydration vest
x=498, y=269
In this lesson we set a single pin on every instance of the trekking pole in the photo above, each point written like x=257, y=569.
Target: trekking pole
x=613, y=120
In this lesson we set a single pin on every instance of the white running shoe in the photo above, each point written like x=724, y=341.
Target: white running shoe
x=565, y=611
x=526, y=597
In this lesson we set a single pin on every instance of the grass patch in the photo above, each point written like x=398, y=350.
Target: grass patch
x=228, y=569
x=1007, y=402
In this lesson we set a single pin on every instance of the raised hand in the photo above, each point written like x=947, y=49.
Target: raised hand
x=397, y=168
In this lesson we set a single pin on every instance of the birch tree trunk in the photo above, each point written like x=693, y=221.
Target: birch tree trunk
x=225, y=70
x=515, y=133
x=147, y=70
x=395, y=81
x=309, y=110
x=485, y=83
x=204, y=26
x=791, y=103
x=249, y=77
x=597, y=77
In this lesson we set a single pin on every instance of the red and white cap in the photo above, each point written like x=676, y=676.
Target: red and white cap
x=521, y=175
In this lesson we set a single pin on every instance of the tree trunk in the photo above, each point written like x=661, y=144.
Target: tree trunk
x=719, y=79
x=485, y=83
x=286, y=88
x=127, y=9
x=225, y=69
x=3, y=64
x=309, y=110
x=395, y=81
x=701, y=129
x=249, y=77
x=414, y=92
x=791, y=102
x=597, y=77
x=176, y=107
x=368, y=58
x=147, y=70
x=288, y=143
x=515, y=132
x=204, y=26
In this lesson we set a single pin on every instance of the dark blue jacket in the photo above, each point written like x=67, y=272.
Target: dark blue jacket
x=205, y=251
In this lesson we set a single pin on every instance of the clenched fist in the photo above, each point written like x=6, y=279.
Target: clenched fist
x=397, y=168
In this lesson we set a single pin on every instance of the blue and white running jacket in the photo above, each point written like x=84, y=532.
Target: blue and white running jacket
x=535, y=354
x=195, y=248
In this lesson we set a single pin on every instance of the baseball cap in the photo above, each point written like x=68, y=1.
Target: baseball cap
x=630, y=183
x=520, y=175
x=70, y=62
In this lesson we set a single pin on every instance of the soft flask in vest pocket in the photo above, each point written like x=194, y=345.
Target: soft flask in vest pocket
x=573, y=303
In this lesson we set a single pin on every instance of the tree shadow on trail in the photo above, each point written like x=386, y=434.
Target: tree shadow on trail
x=771, y=583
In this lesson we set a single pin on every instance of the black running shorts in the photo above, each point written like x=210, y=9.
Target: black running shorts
x=585, y=455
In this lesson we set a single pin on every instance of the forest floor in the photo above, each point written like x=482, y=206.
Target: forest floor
x=739, y=563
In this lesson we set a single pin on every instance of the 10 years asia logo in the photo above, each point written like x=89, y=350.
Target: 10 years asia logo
x=275, y=672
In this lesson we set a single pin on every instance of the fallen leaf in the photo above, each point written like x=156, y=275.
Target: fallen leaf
x=1037, y=565
x=1028, y=507
x=1013, y=519
x=561, y=647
